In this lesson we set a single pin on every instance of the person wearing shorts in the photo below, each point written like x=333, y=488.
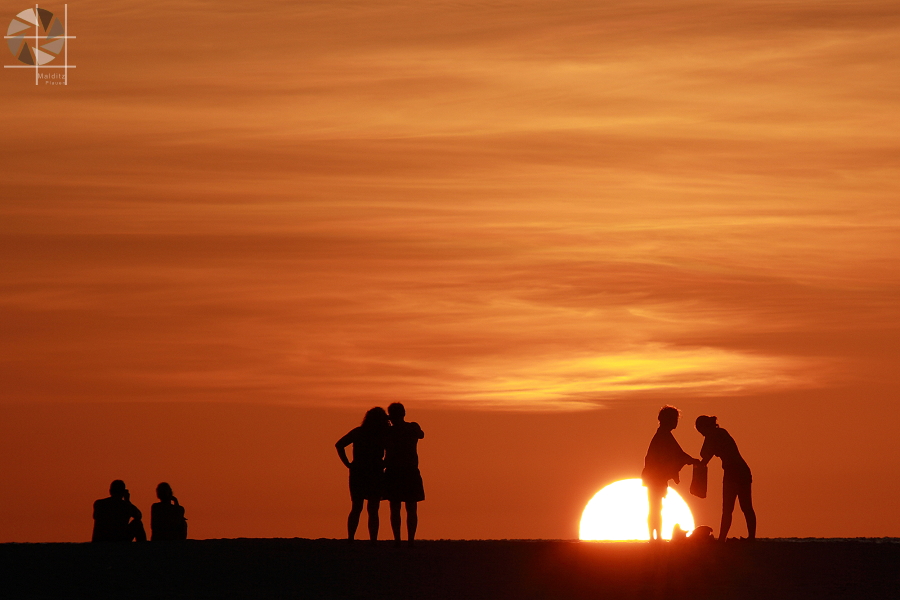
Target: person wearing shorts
x=737, y=479
x=403, y=481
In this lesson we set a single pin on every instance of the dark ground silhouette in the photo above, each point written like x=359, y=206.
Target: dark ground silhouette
x=520, y=570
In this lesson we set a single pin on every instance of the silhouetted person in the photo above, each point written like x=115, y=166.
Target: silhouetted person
x=664, y=460
x=737, y=479
x=167, y=520
x=367, y=468
x=403, y=481
x=116, y=519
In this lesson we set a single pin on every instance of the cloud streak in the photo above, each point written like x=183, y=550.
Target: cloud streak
x=541, y=206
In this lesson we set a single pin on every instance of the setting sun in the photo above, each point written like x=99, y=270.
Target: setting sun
x=619, y=512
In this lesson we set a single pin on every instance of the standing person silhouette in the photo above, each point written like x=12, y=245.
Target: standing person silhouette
x=737, y=479
x=167, y=520
x=664, y=460
x=403, y=482
x=116, y=519
x=366, y=469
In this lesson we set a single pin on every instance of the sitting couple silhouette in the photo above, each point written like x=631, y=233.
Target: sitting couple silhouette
x=385, y=466
x=116, y=519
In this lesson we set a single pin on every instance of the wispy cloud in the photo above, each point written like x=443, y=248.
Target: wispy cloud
x=544, y=205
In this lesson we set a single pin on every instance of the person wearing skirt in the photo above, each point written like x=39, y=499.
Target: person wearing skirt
x=366, y=469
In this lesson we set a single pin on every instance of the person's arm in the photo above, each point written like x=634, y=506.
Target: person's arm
x=134, y=510
x=341, y=446
x=690, y=460
x=681, y=458
x=675, y=451
x=706, y=452
x=418, y=431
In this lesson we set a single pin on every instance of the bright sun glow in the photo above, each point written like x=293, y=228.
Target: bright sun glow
x=619, y=512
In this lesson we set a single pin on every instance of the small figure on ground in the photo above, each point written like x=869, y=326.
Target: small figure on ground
x=703, y=533
x=167, y=520
x=403, y=481
x=664, y=460
x=116, y=519
x=366, y=469
x=736, y=480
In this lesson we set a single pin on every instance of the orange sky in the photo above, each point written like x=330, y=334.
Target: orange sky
x=533, y=223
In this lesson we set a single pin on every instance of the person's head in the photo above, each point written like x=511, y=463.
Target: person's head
x=396, y=412
x=705, y=424
x=668, y=417
x=117, y=489
x=375, y=418
x=164, y=492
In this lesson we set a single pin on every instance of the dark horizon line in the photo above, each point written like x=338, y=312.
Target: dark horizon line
x=365, y=543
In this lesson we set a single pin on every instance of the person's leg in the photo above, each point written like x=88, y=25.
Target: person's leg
x=353, y=520
x=412, y=521
x=729, y=495
x=395, y=519
x=373, y=506
x=654, y=517
x=745, y=497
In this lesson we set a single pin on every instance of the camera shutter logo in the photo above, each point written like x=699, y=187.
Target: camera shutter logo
x=36, y=37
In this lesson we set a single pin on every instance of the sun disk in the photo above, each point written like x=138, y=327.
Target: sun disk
x=619, y=512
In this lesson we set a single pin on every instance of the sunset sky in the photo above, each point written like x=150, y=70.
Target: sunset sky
x=534, y=223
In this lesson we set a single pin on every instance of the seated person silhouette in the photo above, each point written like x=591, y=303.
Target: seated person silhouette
x=737, y=479
x=664, y=460
x=403, y=482
x=116, y=519
x=167, y=520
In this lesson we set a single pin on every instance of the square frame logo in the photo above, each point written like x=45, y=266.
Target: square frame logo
x=36, y=38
